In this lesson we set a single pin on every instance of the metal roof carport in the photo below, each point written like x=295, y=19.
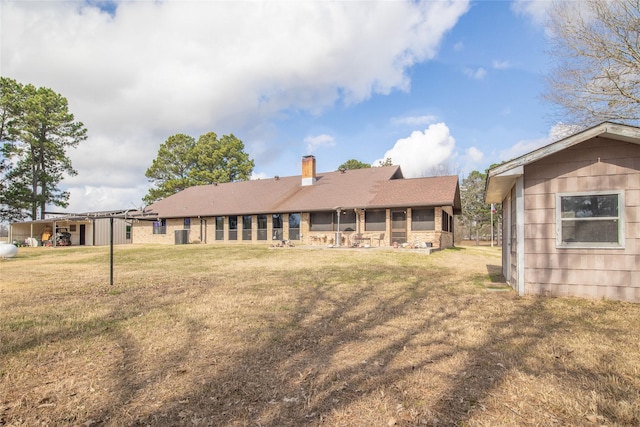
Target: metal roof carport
x=91, y=229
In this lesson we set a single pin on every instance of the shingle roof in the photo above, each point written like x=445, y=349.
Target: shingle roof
x=357, y=188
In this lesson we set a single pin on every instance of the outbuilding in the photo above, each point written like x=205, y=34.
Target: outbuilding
x=571, y=215
x=74, y=229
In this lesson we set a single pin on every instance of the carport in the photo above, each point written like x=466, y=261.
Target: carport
x=85, y=229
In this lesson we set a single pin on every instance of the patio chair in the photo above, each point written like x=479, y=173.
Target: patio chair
x=380, y=238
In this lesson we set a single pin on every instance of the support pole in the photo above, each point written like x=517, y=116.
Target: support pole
x=111, y=251
x=491, y=225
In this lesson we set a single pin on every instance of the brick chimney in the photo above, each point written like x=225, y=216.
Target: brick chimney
x=308, y=170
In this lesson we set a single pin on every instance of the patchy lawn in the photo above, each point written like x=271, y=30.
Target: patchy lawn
x=204, y=335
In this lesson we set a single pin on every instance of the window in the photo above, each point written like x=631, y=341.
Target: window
x=187, y=223
x=294, y=226
x=128, y=232
x=262, y=227
x=423, y=219
x=219, y=228
x=276, y=220
x=375, y=220
x=72, y=228
x=321, y=221
x=233, y=227
x=446, y=221
x=160, y=227
x=246, y=227
x=588, y=220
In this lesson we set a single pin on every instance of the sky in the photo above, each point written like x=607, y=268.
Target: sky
x=437, y=86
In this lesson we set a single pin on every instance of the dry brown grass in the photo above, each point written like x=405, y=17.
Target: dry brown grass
x=250, y=336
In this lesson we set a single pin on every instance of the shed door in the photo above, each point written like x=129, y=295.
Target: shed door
x=398, y=226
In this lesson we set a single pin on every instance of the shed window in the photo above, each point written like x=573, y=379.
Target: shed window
x=590, y=220
x=423, y=219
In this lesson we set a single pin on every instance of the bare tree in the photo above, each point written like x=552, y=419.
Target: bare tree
x=596, y=48
x=443, y=169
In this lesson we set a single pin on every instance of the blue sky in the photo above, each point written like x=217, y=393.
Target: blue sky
x=437, y=85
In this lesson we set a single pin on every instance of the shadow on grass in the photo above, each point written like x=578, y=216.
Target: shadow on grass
x=373, y=353
x=337, y=352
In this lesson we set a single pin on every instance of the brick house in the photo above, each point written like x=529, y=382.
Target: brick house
x=374, y=206
x=571, y=213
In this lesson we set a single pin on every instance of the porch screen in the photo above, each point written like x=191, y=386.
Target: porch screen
x=375, y=220
x=219, y=228
x=423, y=219
x=262, y=227
x=321, y=221
x=233, y=227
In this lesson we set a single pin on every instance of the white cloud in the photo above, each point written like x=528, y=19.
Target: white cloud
x=556, y=133
x=474, y=154
x=458, y=46
x=149, y=70
x=471, y=159
x=315, y=142
x=422, y=152
x=413, y=120
x=478, y=74
x=535, y=9
x=501, y=65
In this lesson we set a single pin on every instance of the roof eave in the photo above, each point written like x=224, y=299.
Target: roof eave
x=499, y=185
x=501, y=178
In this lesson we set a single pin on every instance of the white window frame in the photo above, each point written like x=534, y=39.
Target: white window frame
x=593, y=245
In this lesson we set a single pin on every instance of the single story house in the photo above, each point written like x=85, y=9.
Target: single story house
x=571, y=213
x=74, y=229
x=372, y=206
